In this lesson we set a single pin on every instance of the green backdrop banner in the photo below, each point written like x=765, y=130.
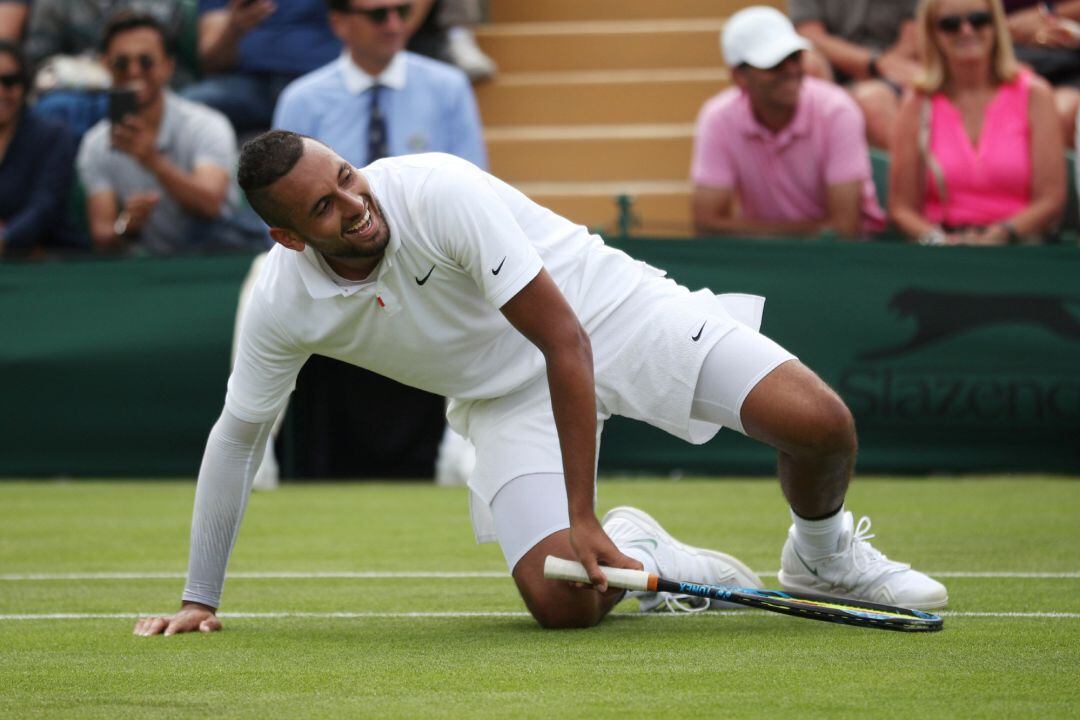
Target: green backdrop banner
x=952, y=359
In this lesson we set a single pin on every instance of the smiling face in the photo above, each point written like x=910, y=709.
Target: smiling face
x=964, y=31
x=137, y=60
x=329, y=206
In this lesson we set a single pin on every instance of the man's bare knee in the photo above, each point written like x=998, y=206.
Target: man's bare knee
x=832, y=433
x=793, y=410
x=562, y=618
x=555, y=604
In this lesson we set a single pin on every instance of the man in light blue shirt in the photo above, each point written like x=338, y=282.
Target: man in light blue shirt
x=427, y=106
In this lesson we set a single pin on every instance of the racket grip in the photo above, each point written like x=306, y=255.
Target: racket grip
x=559, y=569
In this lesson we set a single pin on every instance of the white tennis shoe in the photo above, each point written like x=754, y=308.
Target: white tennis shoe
x=858, y=571
x=632, y=528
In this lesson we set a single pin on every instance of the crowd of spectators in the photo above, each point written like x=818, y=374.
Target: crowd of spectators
x=120, y=120
x=953, y=90
x=975, y=131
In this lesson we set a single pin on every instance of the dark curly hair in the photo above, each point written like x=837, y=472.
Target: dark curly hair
x=127, y=20
x=263, y=160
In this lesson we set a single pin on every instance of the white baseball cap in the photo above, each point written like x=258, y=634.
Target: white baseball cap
x=759, y=36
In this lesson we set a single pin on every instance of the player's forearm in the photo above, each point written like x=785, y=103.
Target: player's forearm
x=232, y=456
x=573, y=401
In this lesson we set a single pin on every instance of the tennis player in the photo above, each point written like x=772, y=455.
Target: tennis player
x=430, y=271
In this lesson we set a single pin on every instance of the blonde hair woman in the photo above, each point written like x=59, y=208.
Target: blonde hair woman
x=977, y=153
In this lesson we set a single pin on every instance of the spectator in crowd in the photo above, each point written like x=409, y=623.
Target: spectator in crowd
x=444, y=31
x=251, y=49
x=869, y=46
x=36, y=169
x=13, y=18
x=408, y=103
x=977, y=157
x=61, y=44
x=789, y=148
x=377, y=100
x=1047, y=38
x=162, y=179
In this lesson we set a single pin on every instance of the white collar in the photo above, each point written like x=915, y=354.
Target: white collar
x=357, y=81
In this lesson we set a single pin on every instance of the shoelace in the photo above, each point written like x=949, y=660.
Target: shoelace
x=682, y=603
x=864, y=554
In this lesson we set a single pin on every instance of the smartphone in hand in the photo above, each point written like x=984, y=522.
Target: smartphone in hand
x=122, y=102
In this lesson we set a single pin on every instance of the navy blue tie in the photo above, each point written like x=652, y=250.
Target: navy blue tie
x=376, y=131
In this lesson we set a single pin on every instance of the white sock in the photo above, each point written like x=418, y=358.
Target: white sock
x=819, y=537
x=642, y=557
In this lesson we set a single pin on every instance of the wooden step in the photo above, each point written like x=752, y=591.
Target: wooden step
x=591, y=153
x=641, y=44
x=648, y=96
x=657, y=208
x=511, y=11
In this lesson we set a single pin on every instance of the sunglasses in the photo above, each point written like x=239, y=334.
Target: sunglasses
x=379, y=15
x=952, y=23
x=121, y=63
x=12, y=80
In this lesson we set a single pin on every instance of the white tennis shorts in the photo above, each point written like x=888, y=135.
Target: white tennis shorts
x=647, y=355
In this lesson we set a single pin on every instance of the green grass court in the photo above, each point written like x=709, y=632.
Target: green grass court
x=389, y=637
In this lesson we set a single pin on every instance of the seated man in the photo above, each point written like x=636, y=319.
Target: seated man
x=420, y=104
x=251, y=49
x=869, y=46
x=788, y=148
x=61, y=44
x=162, y=180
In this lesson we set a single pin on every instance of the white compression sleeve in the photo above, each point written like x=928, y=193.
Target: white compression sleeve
x=233, y=452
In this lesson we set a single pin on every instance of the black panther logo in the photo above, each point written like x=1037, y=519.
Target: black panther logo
x=940, y=315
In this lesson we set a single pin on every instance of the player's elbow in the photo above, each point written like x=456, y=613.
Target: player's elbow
x=581, y=345
x=569, y=344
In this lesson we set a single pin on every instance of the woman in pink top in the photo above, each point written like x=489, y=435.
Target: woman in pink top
x=977, y=153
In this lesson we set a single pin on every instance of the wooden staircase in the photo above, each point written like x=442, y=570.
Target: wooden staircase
x=597, y=99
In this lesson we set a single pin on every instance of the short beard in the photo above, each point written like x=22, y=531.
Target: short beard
x=343, y=251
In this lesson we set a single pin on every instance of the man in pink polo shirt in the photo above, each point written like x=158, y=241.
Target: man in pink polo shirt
x=779, y=153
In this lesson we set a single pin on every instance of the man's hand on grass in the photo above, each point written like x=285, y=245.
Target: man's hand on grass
x=191, y=617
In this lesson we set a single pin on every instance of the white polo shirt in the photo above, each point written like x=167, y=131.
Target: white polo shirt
x=462, y=243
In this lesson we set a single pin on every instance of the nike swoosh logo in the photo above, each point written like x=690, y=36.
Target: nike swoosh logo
x=813, y=571
x=701, y=330
x=495, y=271
x=421, y=282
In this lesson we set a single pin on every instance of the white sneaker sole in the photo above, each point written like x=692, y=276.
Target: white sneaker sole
x=744, y=575
x=792, y=585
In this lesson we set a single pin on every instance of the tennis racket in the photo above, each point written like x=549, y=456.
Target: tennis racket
x=813, y=607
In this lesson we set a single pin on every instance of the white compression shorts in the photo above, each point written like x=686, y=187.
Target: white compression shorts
x=531, y=507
